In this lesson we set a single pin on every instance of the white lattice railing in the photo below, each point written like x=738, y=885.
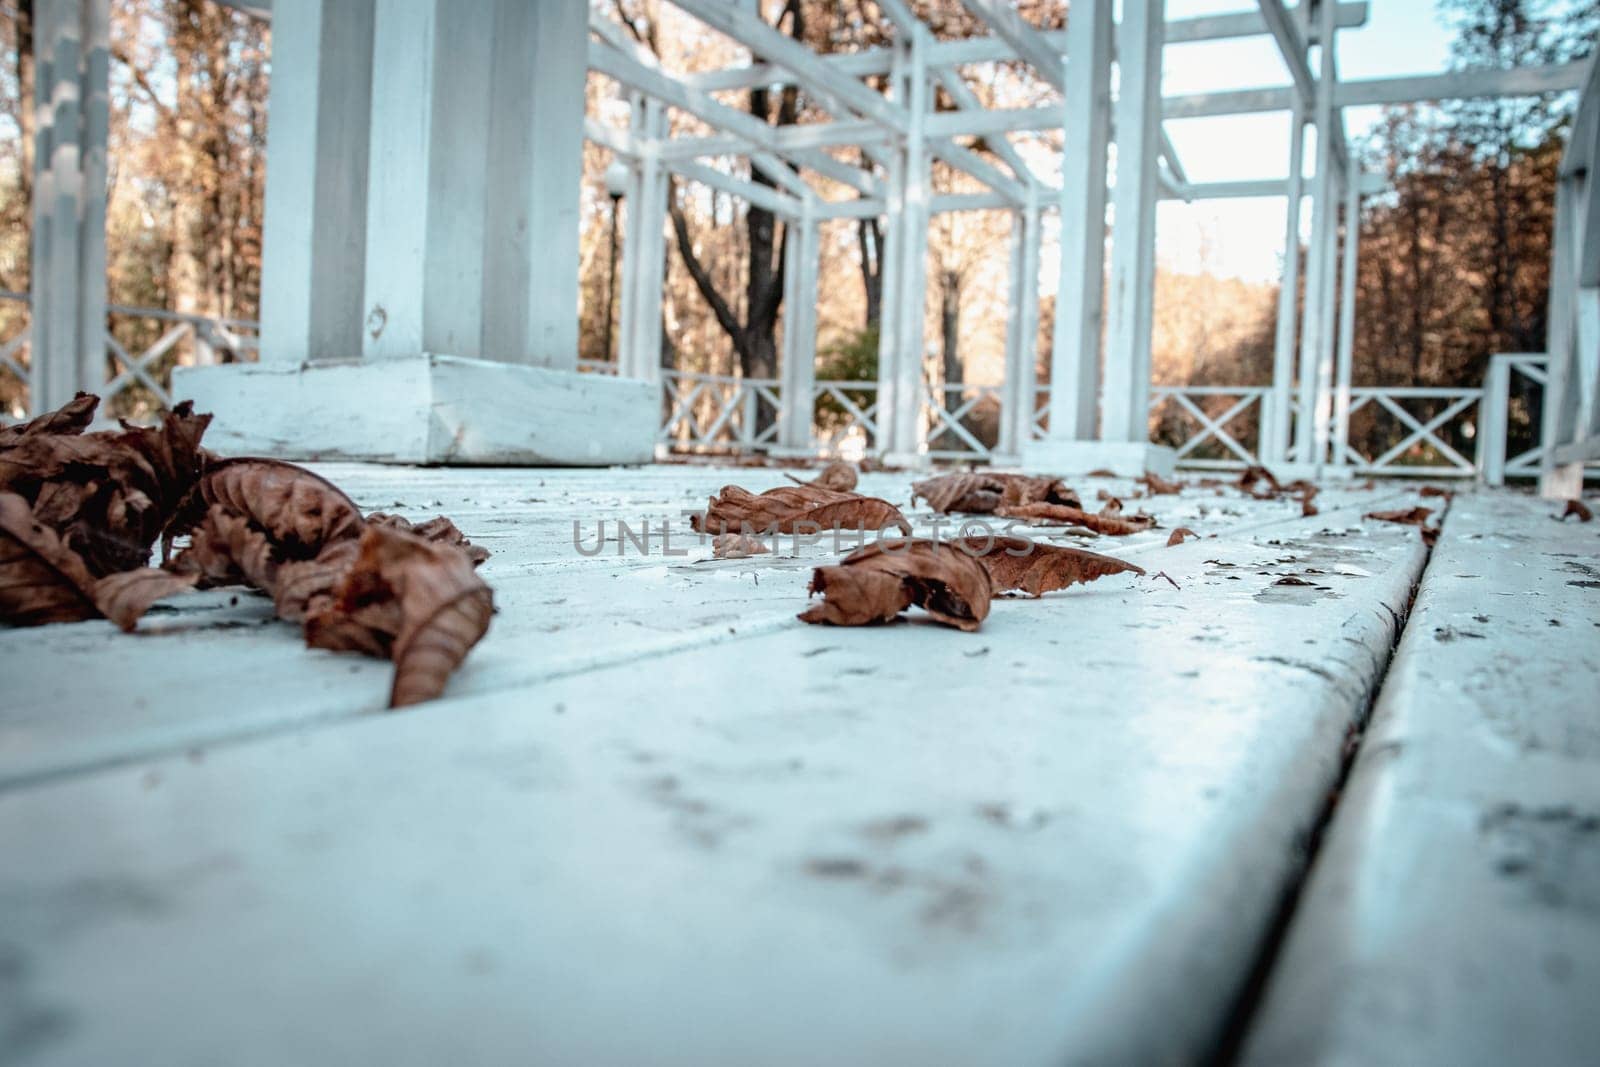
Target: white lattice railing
x=718, y=412
x=1420, y=434
x=951, y=414
x=853, y=421
x=1226, y=422
x=175, y=339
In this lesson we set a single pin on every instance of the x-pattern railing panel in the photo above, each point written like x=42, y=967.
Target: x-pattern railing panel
x=947, y=421
x=857, y=417
x=1389, y=399
x=1211, y=428
x=718, y=410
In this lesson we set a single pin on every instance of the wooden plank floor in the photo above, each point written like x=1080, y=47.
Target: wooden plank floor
x=658, y=820
x=1454, y=916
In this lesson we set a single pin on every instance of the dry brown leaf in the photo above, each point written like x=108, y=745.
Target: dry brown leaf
x=1578, y=508
x=444, y=607
x=1159, y=486
x=438, y=529
x=124, y=597
x=838, y=476
x=1404, y=516
x=1255, y=475
x=299, y=511
x=41, y=580
x=878, y=582
x=1111, y=523
x=1018, y=563
x=796, y=509
x=1179, y=534
x=736, y=546
x=72, y=417
x=1101, y=473
x=983, y=492
x=1434, y=490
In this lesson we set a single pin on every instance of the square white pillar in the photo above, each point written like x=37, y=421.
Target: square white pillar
x=423, y=237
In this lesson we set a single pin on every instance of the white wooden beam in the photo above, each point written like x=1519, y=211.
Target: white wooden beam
x=1291, y=46
x=1461, y=85
x=1316, y=356
x=967, y=100
x=750, y=30
x=606, y=60
x=1031, y=46
x=761, y=196
x=1276, y=420
x=943, y=55
x=1347, y=318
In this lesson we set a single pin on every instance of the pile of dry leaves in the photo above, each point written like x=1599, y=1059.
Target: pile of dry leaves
x=80, y=514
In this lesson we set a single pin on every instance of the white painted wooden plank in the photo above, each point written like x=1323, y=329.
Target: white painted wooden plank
x=1056, y=839
x=85, y=695
x=1453, y=915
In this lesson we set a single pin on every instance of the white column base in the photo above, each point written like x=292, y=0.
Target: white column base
x=429, y=409
x=1127, y=459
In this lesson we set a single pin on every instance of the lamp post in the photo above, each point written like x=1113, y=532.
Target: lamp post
x=617, y=175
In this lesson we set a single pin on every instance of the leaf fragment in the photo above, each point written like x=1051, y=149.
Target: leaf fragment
x=1579, y=508
x=1179, y=535
x=736, y=546
x=984, y=492
x=1417, y=516
x=1109, y=522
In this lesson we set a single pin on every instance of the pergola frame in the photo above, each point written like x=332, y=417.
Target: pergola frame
x=902, y=133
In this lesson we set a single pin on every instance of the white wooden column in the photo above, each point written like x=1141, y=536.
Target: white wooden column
x=1276, y=421
x=1075, y=349
x=468, y=306
x=1022, y=329
x=901, y=392
x=1126, y=410
x=68, y=282
x=1322, y=409
x=1316, y=354
x=644, y=251
x=314, y=254
x=1348, y=288
x=799, y=362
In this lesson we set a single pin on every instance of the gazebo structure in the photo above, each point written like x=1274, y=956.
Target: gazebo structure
x=1287, y=781
x=421, y=246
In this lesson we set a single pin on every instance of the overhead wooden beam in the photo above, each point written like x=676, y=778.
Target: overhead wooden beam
x=1291, y=46
x=752, y=32
x=967, y=100
x=1461, y=85
x=606, y=60
x=762, y=196
x=1025, y=39
x=944, y=54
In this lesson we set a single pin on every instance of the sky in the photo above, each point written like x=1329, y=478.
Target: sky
x=1244, y=238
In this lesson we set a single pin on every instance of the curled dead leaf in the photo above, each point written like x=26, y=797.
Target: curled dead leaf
x=838, y=476
x=1405, y=516
x=72, y=417
x=1111, y=523
x=878, y=582
x=1579, y=508
x=297, y=510
x=796, y=509
x=1018, y=563
x=423, y=595
x=1159, y=486
x=736, y=546
x=438, y=529
x=41, y=580
x=983, y=492
x=1179, y=534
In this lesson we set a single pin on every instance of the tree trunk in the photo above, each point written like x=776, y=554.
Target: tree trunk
x=950, y=332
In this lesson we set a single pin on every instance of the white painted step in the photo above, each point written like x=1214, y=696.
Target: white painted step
x=1057, y=840
x=1454, y=914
